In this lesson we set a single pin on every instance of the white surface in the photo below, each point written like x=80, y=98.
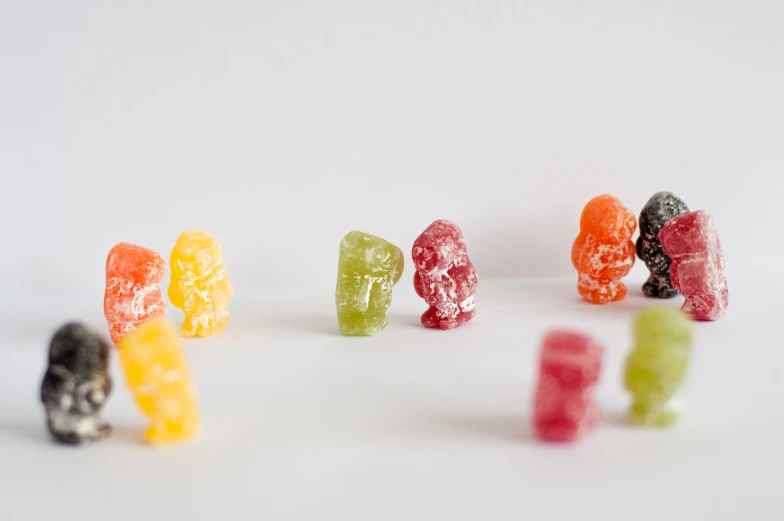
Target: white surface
x=301, y=423
x=280, y=126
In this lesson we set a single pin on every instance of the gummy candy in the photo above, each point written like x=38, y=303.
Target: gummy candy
x=444, y=276
x=368, y=268
x=564, y=408
x=159, y=379
x=697, y=268
x=132, y=293
x=603, y=252
x=659, y=209
x=77, y=385
x=200, y=284
x=657, y=365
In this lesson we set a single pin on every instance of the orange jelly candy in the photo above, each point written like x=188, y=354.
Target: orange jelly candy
x=132, y=294
x=604, y=253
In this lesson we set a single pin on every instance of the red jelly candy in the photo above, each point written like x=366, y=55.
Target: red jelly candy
x=568, y=369
x=444, y=276
x=697, y=269
x=132, y=294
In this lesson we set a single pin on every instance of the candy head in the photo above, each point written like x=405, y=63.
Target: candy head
x=657, y=365
x=607, y=219
x=80, y=350
x=196, y=251
x=573, y=359
x=440, y=245
x=136, y=263
x=659, y=209
x=372, y=255
x=693, y=232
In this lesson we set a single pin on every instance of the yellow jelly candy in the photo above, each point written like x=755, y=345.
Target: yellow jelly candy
x=200, y=284
x=159, y=379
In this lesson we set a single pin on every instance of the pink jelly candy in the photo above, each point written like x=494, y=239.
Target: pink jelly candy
x=444, y=276
x=568, y=369
x=697, y=269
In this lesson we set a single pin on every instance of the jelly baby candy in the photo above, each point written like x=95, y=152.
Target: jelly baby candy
x=159, y=379
x=568, y=369
x=200, y=284
x=697, y=268
x=662, y=207
x=657, y=365
x=444, y=276
x=132, y=293
x=76, y=385
x=603, y=253
x=368, y=267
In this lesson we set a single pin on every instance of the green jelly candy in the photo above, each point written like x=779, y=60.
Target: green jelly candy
x=368, y=268
x=656, y=367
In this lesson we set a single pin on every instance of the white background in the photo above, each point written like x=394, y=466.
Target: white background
x=280, y=126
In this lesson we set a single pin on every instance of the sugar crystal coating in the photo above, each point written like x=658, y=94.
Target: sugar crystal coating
x=132, y=294
x=659, y=209
x=158, y=377
x=368, y=268
x=697, y=268
x=603, y=252
x=569, y=367
x=444, y=276
x=200, y=284
x=76, y=385
x=657, y=365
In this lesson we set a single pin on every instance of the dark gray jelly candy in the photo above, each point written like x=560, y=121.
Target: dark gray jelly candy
x=659, y=209
x=76, y=385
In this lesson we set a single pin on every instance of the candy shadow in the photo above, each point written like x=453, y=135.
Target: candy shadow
x=614, y=419
x=30, y=432
x=129, y=434
x=630, y=305
x=285, y=325
x=514, y=429
x=408, y=320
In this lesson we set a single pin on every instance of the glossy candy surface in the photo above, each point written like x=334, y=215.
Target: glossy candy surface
x=603, y=252
x=132, y=294
x=368, y=268
x=657, y=365
x=697, y=268
x=569, y=367
x=200, y=284
x=444, y=276
x=158, y=376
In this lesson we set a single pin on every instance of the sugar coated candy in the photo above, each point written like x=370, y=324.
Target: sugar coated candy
x=659, y=209
x=657, y=365
x=603, y=252
x=697, y=268
x=132, y=294
x=76, y=385
x=368, y=268
x=200, y=284
x=444, y=276
x=159, y=379
x=568, y=370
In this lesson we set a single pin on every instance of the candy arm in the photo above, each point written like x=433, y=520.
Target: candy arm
x=419, y=284
x=465, y=280
x=614, y=262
